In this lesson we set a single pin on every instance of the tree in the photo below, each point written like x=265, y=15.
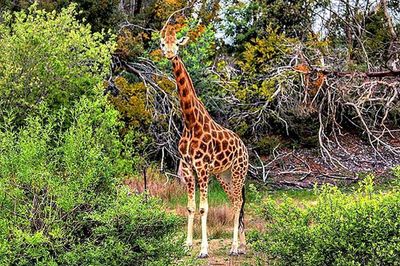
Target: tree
x=100, y=14
x=49, y=57
x=62, y=158
x=244, y=21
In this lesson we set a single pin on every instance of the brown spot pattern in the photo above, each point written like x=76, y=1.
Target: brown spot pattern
x=206, y=147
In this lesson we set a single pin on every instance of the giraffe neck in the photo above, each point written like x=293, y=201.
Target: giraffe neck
x=191, y=106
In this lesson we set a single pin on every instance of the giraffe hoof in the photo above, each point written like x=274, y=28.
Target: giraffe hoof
x=233, y=253
x=241, y=252
x=242, y=249
x=202, y=256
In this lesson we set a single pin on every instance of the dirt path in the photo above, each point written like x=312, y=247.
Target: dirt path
x=218, y=255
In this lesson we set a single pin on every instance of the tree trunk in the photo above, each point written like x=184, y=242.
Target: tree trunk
x=138, y=6
x=394, y=57
x=349, y=38
x=132, y=7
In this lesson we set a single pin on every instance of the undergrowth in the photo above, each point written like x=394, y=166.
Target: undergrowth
x=62, y=199
x=358, y=228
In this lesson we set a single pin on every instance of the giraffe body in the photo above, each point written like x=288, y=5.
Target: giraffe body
x=207, y=149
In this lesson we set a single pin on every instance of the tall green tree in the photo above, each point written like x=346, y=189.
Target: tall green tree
x=100, y=14
x=244, y=21
x=49, y=58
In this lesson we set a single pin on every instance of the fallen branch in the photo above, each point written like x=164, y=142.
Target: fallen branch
x=379, y=74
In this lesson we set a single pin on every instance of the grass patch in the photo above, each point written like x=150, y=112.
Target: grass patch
x=382, y=184
x=173, y=192
x=296, y=194
x=216, y=196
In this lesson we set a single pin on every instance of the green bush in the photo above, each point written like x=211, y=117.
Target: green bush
x=62, y=160
x=396, y=172
x=49, y=57
x=61, y=195
x=362, y=228
x=267, y=144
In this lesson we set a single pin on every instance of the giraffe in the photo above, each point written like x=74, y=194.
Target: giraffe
x=206, y=149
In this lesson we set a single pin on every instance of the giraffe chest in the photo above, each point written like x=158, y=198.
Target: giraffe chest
x=196, y=145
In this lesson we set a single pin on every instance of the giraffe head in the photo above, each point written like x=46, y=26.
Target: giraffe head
x=169, y=43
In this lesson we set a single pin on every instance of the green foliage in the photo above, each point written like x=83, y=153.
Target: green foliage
x=243, y=22
x=62, y=199
x=99, y=14
x=49, y=57
x=130, y=46
x=131, y=103
x=396, y=173
x=260, y=56
x=263, y=52
x=199, y=52
x=63, y=161
x=198, y=56
x=253, y=194
x=377, y=38
x=361, y=228
x=257, y=83
x=267, y=144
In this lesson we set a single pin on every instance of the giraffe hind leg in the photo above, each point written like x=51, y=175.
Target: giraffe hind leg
x=228, y=186
x=238, y=178
x=242, y=238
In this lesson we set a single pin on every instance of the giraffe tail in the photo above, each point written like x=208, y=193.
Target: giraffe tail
x=241, y=215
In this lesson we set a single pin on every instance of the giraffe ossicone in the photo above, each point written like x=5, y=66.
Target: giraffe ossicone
x=207, y=148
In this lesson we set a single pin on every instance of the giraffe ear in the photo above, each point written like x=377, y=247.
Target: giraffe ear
x=182, y=41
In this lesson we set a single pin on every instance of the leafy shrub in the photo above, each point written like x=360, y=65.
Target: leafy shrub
x=396, y=172
x=267, y=144
x=104, y=14
x=49, y=57
x=357, y=229
x=131, y=103
x=61, y=195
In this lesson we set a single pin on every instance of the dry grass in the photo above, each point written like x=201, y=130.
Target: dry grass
x=157, y=185
x=219, y=221
x=173, y=193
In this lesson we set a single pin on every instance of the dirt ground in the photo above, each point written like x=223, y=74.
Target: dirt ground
x=218, y=255
x=219, y=247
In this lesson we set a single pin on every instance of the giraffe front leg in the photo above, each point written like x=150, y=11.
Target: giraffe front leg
x=203, y=183
x=186, y=174
x=238, y=223
x=191, y=208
